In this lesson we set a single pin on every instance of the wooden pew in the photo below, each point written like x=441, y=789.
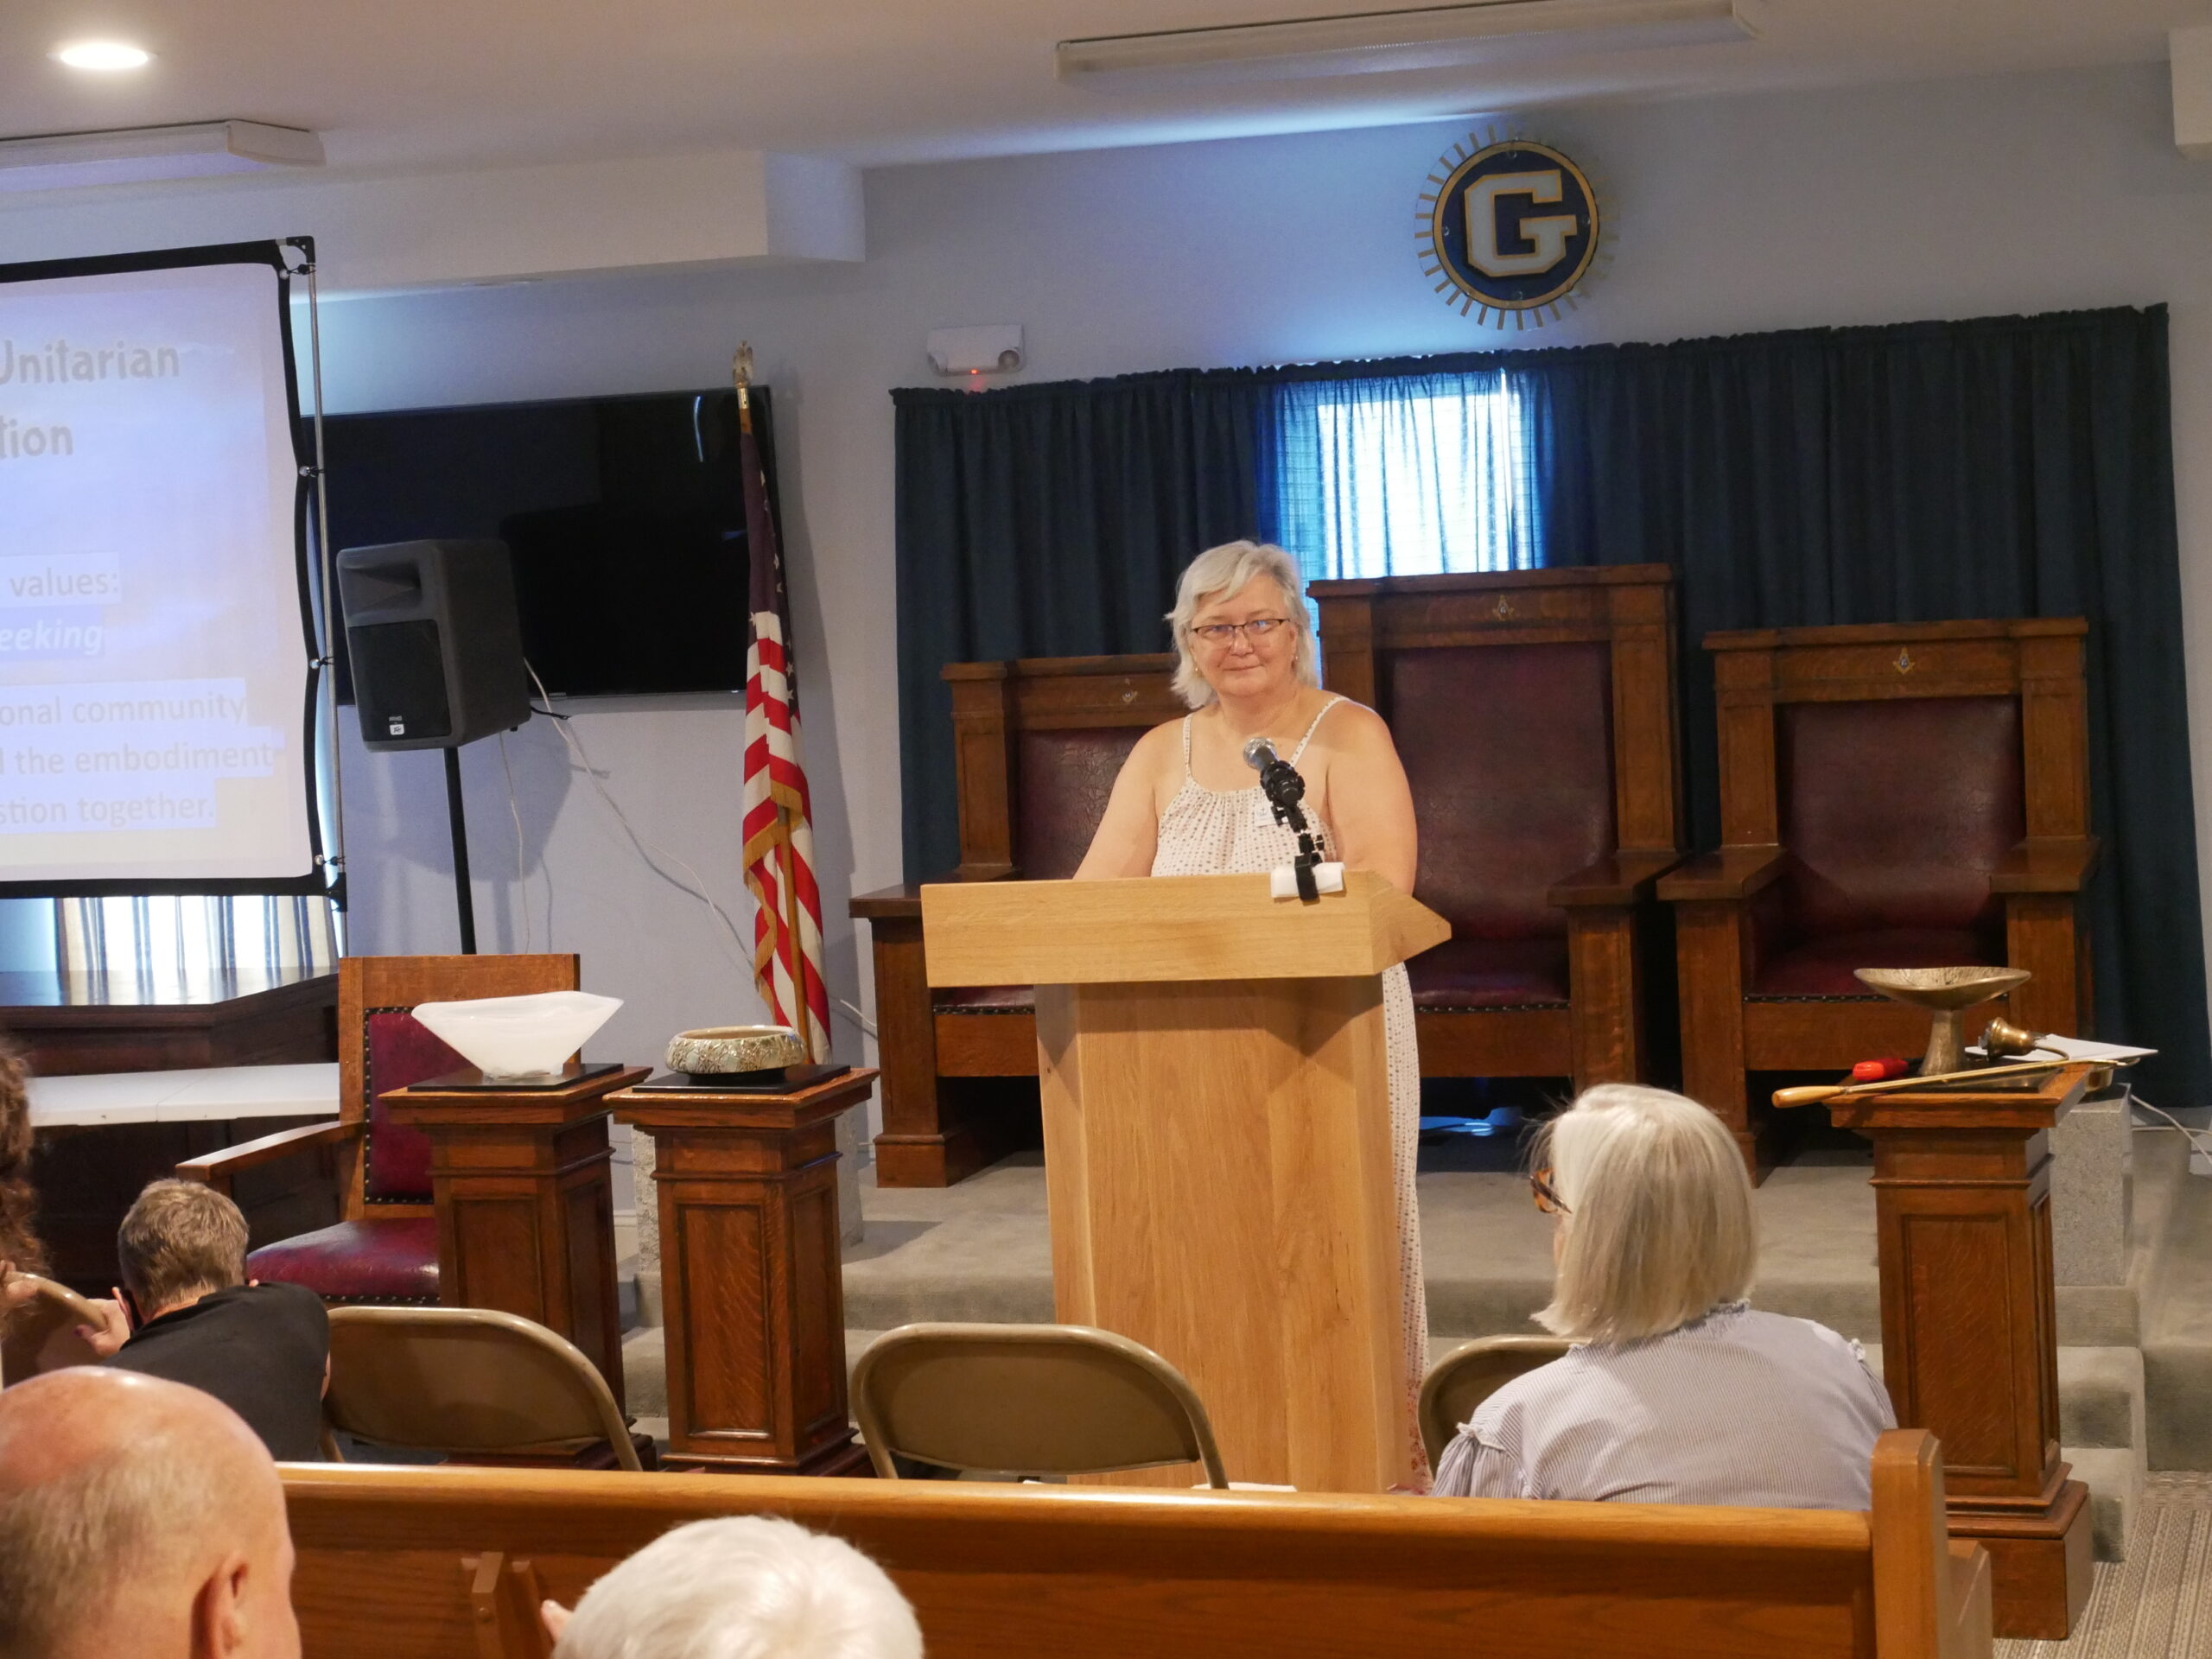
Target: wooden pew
x=399, y=1563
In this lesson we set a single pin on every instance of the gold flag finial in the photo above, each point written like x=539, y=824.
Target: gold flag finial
x=741, y=371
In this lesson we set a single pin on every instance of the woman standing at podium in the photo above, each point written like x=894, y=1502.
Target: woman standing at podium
x=1187, y=803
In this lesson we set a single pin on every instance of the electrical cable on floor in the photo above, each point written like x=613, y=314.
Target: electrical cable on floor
x=522, y=867
x=647, y=850
x=2200, y=1146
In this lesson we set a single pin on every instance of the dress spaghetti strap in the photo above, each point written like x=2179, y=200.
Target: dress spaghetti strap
x=1188, y=775
x=1302, y=741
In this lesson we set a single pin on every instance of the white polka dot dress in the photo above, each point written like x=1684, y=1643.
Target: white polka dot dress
x=1233, y=832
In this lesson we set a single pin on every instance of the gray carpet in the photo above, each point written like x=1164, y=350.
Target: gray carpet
x=2157, y=1603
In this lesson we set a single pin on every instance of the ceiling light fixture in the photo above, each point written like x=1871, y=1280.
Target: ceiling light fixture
x=105, y=55
x=1434, y=37
x=143, y=154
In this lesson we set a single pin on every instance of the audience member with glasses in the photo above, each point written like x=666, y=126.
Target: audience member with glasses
x=1678, y=1391
x=1187, y=803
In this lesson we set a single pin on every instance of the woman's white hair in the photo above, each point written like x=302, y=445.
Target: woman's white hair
x=1659, y=1228
x=744, y=1588
x=1221, y=573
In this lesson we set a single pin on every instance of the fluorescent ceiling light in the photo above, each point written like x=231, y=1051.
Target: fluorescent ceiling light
x=103, y=55
x=141, y=155
x=1434, y=37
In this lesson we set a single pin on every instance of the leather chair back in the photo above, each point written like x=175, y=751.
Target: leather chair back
x=1063, y=777
x=1896, y=811
x=398, y=1050
x=1509, y=750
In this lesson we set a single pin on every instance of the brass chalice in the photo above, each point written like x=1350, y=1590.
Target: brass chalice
x=1947, y=993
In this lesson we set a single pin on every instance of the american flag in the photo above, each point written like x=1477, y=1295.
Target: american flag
x=779, y=827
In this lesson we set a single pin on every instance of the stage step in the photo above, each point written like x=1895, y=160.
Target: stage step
x=2100, y=1421
x=981, y=1251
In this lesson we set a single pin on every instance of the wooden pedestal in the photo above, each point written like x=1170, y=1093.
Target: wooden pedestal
x=1969, y=1330
x=751, y=1277
x=525, y=1203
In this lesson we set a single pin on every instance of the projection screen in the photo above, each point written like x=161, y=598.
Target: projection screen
x=155, y=639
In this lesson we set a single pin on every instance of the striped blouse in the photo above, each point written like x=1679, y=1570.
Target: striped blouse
x=1736, y=1408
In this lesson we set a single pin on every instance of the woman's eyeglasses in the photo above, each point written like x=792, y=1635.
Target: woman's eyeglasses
x=1541, y=1189
x=1221, y=633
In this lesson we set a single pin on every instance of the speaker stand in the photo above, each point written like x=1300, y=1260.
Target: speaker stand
x=464, y=895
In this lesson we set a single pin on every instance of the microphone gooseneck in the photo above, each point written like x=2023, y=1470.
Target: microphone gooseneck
x=1285, y=788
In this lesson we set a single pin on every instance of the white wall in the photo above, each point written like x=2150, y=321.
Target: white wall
x=1958, y=198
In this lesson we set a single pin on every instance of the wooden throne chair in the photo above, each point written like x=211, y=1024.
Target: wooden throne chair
x=384, y=1246
x=1038, y=743
x=1892, y=796
x=1535, y=711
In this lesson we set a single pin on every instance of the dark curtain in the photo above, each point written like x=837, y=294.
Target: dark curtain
x=1926, y=472
x=1051, y=521
x=2004, y=466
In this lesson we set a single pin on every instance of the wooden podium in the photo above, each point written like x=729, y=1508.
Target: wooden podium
x=1969, y=1330
x=1217, y=1154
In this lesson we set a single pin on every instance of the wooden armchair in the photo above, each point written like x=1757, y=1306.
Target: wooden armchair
x=385, y=1247
x=1535, y=711
x=1037, y=745
x=1894, y=795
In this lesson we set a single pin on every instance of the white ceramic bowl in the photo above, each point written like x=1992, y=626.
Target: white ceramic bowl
x=518, y=1036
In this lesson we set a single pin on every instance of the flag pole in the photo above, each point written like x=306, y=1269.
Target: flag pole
x=792, y=948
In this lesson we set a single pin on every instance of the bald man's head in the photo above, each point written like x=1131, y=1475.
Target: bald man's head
x=138, y=1518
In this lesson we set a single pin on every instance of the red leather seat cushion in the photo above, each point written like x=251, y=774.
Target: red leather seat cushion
x=357, y=1261
x=1062, y=780
x=1821, y=966
x=400, y=1051
x=1469, y=973
x=984, y=999
x=1510, y=752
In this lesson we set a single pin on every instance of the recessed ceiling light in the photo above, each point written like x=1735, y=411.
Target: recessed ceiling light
x=103, y=55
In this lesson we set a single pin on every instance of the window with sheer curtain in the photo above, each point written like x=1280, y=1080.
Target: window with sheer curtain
x=175, y=946
x=1402, y=475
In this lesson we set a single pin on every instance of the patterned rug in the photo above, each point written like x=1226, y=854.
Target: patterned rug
x=2157, y=1603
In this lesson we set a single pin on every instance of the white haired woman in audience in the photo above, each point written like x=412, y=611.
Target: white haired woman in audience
x=746, y=1587
x=1677, y=1391
x=1186, y=803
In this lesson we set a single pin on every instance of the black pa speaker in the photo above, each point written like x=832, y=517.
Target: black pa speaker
x=435, y=641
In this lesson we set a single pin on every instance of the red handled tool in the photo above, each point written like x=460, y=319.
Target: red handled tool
x=1880, y=1071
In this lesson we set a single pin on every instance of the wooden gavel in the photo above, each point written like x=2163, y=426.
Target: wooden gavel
x=1998, y=1039
x=1815, y=1094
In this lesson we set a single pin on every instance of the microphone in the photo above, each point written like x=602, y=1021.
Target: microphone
x=1285, y=788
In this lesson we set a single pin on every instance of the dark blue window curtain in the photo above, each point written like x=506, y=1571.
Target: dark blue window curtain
x=1924, y=473
x=1052, y=521
x=2004, y=466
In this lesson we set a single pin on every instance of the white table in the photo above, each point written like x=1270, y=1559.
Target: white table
x=205, y=1095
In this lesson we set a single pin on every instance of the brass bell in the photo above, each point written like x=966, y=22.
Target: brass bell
x=2001, y=1040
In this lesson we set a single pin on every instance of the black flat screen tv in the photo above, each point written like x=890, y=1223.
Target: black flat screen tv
x=625, y=517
